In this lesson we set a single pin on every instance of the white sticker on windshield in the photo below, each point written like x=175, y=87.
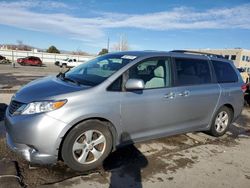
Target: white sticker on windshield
x=128, y=57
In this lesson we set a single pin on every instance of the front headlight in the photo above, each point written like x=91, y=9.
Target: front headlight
x=44, y=106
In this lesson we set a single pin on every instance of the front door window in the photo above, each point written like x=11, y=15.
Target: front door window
x=154, y=72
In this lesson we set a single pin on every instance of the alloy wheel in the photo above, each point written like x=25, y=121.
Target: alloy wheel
x=89, y=147
x=221, y=121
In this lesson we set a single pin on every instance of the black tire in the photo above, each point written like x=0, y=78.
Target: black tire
x=213, y=131
x=247, y=97
x=64, y=66
x=69, y=156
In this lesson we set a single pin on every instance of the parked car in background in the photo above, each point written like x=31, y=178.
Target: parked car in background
x=244, y=74
x=69, y=62
x=4, y=60
x=2, y=57
x=247, y=94
x=30, y=60
x=121, y=98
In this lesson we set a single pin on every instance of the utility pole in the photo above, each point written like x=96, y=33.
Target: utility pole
x=108, y=45
x=120, y=43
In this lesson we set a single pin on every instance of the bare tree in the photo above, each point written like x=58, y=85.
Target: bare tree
x=19, y=42
x=21, y=46
x=122, y=45
x=79, y=52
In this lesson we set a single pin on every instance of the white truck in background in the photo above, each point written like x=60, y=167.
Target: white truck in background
x=70, y=62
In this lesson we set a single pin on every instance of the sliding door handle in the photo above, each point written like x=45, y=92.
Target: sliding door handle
x=170, y=95
x=184, y=93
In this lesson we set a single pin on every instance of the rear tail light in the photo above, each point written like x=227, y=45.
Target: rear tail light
x=244, y=88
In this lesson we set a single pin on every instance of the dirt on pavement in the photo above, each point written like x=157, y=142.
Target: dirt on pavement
x=137, y=161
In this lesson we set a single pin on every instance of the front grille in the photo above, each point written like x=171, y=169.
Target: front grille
x=14, y=105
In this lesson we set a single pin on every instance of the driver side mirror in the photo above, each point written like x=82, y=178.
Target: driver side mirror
x=135, y=84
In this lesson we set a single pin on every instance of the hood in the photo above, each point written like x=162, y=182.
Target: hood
x=45, y=88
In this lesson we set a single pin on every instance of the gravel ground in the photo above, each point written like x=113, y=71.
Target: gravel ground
x=13, y=78
x=187, y=160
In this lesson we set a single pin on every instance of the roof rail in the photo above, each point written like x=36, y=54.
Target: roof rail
x=201, y=53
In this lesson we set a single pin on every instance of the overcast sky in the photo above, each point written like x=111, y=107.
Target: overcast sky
x=147, y=24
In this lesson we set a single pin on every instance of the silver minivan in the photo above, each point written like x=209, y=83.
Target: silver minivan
x=82, y=115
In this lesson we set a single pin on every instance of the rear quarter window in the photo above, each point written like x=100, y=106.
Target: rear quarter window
x=192, y=71
x=224, y=72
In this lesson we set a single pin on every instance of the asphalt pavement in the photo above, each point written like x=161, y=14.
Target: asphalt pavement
x=186, y=160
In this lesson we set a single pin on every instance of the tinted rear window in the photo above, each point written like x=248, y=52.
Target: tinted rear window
x=224, y=72
x=192, y=71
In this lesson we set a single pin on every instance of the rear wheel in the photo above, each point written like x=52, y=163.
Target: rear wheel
x=87, y=145
x=221, y=121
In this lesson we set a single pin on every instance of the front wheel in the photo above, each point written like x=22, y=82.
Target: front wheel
x=87, y=145
x=221, y=121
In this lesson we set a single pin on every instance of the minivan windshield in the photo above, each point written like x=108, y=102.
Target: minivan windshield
x=95, y=71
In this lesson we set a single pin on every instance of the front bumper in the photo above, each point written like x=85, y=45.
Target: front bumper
x=30, y=154
x=36, y=137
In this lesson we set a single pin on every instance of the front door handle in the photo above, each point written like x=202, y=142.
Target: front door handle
x=170, y=95
x=184, y=93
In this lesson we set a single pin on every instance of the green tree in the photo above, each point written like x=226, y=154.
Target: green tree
x=103, y=51
x=53, y=49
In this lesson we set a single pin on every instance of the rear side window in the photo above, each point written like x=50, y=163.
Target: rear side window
x=224, y=72
x=192, y=71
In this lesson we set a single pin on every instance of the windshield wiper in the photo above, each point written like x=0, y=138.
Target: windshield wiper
x=71, y=80
x=62, y=75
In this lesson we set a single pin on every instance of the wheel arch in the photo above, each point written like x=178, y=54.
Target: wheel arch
x=230, y=107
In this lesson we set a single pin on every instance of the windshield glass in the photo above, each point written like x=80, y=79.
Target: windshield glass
x=99, y=69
